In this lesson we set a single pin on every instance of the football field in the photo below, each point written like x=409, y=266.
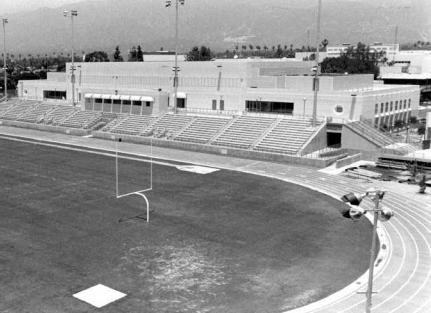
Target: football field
x=224, y=241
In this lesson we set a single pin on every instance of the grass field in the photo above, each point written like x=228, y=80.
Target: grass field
x=220, y=242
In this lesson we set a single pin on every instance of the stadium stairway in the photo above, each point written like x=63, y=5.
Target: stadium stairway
x=370, y=134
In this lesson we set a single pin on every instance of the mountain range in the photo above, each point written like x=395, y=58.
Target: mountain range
x=104, y=24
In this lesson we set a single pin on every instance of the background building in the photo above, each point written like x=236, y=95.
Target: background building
x=265, y=86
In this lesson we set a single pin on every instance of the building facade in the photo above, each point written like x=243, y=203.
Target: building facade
x=227, y=86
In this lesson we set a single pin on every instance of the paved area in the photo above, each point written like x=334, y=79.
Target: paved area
x=403, y=279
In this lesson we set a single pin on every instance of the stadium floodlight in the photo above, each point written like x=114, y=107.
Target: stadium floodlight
x=354, y=212
x=168, y=3
x=73, y=13
x=316, y=75
x=4, y=21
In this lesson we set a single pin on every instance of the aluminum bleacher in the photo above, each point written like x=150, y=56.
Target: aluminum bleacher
x=169, y=125
x=131, y=124
x=19, y=109
x=287, y=137
x=58, y=114
x=81, y=119
x=202, y=129
x=37, y=113
x=243, y=132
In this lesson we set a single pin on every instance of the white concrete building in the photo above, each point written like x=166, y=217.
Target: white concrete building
x=266, y=86
x=389, y=50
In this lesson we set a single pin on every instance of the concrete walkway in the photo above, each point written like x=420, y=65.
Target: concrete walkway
x=403, y=270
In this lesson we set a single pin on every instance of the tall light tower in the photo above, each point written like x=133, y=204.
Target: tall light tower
x=73, y=13
x=5, y=21
x=168, y=3
x=316, y=75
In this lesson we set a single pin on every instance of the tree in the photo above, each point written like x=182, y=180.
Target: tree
x=398, y=124
x=139, y=55
x=97, y=56
x=421, y=129
x=358, y=60
x=199, y=54
x=413, y=119
x=133, y=54
x=117, y=55
x=324, y=43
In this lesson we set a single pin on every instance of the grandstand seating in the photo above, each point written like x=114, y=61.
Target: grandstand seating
x=287, y=137
x=81, y=119
x=169, y=125
x=37, y=113
x=5, y=106
x=58, y=114
x=202, y=129
x=20, y=108
x=243, y=132
x=132, y=124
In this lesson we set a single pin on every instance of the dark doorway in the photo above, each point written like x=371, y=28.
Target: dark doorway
x=333, y=139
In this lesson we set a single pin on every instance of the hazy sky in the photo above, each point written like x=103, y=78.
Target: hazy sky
x=13, y=6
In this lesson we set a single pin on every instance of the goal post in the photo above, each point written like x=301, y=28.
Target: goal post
x=134, y=176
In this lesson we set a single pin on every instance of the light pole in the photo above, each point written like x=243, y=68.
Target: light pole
x=168, y=3
x=316, y=75
x=379, y=213
x=5, y=21
x=72, y=70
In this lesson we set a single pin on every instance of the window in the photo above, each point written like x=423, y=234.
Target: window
x=396, y=105
x=98, y=100
x=392, y=106
x=117, y=101
x=405, y=104
x=338, y=109
x=410, y=103
x=221, y=105
x=214, y=104
x=381, y=107
x=126, y=102
x=137, y=103
x=386, y=106
x=147, y=103
x=376, y=110
x=54, y=94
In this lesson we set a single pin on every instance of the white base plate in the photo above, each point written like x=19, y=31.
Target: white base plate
x=99, y=295
x=197, y=169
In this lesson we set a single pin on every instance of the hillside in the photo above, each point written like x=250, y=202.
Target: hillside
x=105, y=24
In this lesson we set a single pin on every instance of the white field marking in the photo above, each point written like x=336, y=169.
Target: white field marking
x=88, y=136
x=197, y=169
x=413, y=214
x=339, y=294
x=109, y=153
x=99, y=295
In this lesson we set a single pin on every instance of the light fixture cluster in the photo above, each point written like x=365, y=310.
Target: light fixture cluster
x=354, y=199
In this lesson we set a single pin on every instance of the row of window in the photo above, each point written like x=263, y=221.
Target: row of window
x=388, y=122
x=391, y=106
x=118, y=101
